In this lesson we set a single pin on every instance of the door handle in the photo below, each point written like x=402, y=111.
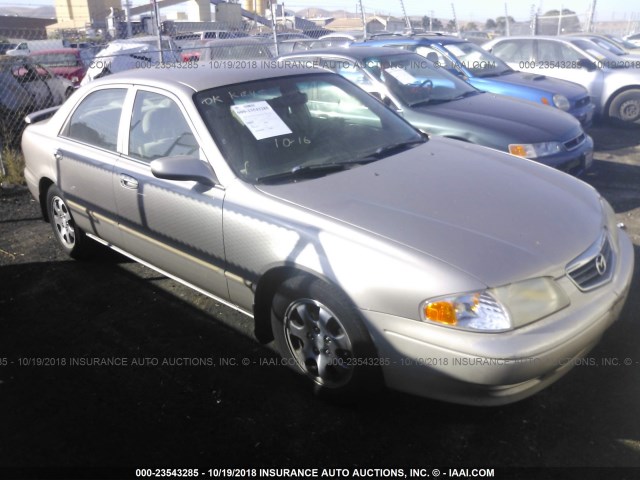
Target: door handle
x=57, y=155
x=128, y=182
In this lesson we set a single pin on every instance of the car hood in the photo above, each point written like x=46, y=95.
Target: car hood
x=530, y=80
x=496, y=120
x=496, y=217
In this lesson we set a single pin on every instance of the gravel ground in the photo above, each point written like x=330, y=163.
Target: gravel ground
x=197, y=391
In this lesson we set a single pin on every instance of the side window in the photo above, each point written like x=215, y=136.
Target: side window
x=95, y=121
x=568, y=54
x=348, y=70
x=514, y=51
x=433, y=56
x=158, y=129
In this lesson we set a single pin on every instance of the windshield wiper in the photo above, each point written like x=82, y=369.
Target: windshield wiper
x=430, y=101
x=470, y=93
x=304, y=172
x=391, y=149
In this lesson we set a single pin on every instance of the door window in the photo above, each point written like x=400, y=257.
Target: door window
x=158, y=129
x=95, y=121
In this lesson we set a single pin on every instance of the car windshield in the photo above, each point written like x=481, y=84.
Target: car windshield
x=607, y=45
x=292, y=128
x=604, y=57
x=477, y=61
x=416, y=81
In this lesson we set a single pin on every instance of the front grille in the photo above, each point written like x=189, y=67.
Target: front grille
x=594, y=267
x=575, y=142
x=581, y=102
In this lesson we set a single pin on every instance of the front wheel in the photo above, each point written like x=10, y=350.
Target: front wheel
x=320, y=334
x=70, y=237
x=626, y=106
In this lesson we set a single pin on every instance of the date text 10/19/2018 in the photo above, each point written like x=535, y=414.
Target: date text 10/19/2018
x=316, y=472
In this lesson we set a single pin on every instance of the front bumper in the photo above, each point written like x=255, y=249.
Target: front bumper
x=584, y=114
x=498, y=368
x=575, y=162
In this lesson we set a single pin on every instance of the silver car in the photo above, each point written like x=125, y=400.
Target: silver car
x=612, y=81
x=371, y=253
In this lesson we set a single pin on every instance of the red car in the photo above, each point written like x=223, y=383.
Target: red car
x=70, y=63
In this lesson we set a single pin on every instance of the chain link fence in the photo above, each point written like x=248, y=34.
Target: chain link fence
x=35, y=73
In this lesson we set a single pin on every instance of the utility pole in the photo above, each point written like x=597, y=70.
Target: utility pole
x=560, y=21
x=156, y=12
x=506, y=21
x=533, y=26
x=592, y=15
x=455, y=19
x=364, y=20
x=406, y=18
x=127, y=11
x=273, y=26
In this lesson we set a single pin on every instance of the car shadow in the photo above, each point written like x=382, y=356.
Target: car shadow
x=113, y=366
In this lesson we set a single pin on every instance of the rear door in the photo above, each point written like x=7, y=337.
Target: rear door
x=85, y=158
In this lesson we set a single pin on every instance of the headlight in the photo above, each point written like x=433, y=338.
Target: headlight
x=534, y=150
x=561, y=102
x=498, y=309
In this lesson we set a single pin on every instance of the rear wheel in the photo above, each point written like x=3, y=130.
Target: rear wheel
x=69, y=236
x=626, y=106
x=320, y=334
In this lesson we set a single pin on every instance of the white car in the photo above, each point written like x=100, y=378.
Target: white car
x=612, y=81
x=22, y=49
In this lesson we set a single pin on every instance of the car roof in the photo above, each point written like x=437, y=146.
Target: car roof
x=236, y=41
x=201, y=78
x=562, y=38
x=424, y=39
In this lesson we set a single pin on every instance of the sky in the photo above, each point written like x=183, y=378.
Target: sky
x=478, y=11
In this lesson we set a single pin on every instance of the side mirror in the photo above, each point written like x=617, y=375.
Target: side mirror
x=183, y=168
x=587, y=64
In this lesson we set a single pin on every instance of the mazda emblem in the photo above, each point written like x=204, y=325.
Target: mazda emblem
x=601, y=264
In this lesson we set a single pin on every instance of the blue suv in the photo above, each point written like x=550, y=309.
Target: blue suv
x=488, y=73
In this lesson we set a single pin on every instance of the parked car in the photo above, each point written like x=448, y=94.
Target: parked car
x=614, y=44
x=19, y=50
x=369, y=251
x=248, y=48
x=70, y=63
x=610, y=46
x=6, y=46
x=128, y=54
x=614, y=84
x=440, y=103
x=488, y=73
x=207, y=35
x=633, y=38
x=26, y=86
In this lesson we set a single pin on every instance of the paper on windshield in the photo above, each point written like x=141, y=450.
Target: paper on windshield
x=401, y=75
x=261, y=120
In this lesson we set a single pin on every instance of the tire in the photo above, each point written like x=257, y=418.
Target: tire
x=626, y=106
x=320, y=334
x=70, y=237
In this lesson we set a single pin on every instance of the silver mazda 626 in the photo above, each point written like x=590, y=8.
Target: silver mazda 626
x=370, y=253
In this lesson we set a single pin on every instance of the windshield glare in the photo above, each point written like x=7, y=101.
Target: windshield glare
x=278, y=125
x=414, y=80
x=476, y=60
